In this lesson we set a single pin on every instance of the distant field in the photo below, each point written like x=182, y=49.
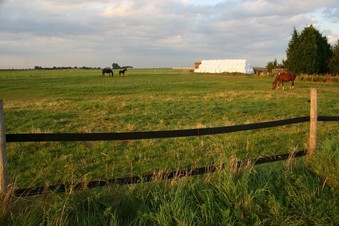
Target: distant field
x=145, y=100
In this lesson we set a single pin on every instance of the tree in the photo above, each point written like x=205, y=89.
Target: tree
x=334, y=61
x=271, y=65
x=292, y=62
x=115, y=66
x=308, y=52
x=325, y=55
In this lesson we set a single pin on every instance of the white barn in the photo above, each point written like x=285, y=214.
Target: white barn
x=226, y=65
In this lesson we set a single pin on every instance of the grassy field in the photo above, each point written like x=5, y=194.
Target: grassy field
x=157, y=99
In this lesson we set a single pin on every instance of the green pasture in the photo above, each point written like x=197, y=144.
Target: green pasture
x=82, y=101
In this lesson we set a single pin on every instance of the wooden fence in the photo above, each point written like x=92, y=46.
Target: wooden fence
x=63, y=137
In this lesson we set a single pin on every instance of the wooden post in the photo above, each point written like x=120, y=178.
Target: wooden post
x=313, y=121
x=3, y=155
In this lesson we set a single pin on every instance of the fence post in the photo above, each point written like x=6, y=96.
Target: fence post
x=313, y=121
x=3, y=156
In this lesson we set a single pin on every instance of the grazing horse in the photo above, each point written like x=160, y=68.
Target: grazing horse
x=108, y=71
x=284, y=77
x=122, y=72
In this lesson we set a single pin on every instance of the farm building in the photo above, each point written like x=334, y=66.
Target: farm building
x=226, y=65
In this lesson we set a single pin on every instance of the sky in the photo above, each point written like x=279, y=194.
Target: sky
x=155, y=33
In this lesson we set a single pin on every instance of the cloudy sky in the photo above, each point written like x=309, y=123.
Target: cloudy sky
x=155, y=33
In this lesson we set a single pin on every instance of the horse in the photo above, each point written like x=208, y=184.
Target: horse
x=284, y=77
x=108, y=71
x=122, y=72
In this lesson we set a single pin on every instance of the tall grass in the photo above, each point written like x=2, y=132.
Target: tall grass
x=283, y=193
x=290, y=193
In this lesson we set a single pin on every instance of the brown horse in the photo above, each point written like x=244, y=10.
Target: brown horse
x=284, y=77
x=108, y=71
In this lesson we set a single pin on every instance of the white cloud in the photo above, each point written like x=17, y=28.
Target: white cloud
x=153, y=33
x=121, y=9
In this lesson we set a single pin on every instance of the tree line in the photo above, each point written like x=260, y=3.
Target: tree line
x=117, y=66
x=63, y=68
x=309, y=52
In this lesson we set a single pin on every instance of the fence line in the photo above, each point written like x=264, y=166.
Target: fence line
x=39, y=137
x=58, y=188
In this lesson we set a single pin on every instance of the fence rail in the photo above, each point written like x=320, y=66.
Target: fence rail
x=58, y=188
x=62, y=137
x=39, y=137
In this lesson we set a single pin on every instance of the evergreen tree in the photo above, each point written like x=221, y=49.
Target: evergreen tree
x=308, y=52
x=324, y=54
x=292, y=52
x=334, y=61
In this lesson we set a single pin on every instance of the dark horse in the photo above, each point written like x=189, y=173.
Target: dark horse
x=284, y=77
x=122, y=72
x=108, y=71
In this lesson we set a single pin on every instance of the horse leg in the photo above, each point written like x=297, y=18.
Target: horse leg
x=292, y=85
